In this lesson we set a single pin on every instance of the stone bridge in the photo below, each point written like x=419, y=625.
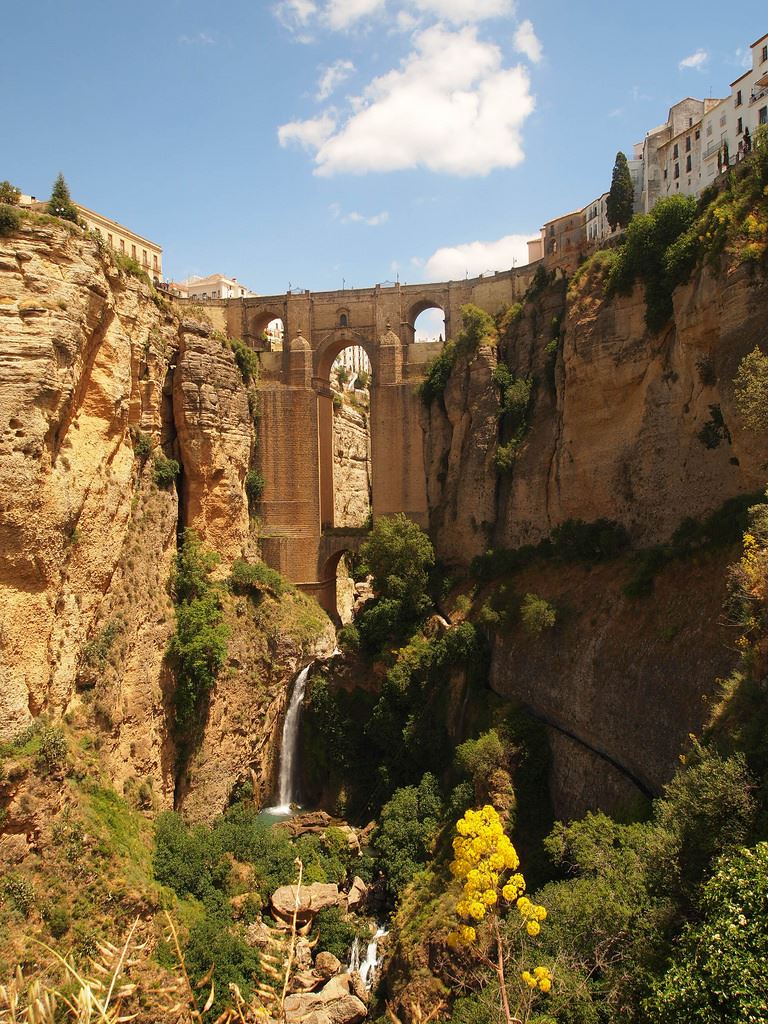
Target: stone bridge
x=296, y=426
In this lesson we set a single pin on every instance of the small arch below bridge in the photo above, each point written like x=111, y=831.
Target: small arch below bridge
x=427, y=320
x=334, y=546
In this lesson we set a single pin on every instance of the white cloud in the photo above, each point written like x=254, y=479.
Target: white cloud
x=295, y=14
x=309, y=134
x=527, y=42
x=405, y=21
x=450, y=107
x=744, y=58
x=454, y=262
x=332, y=77
x=462, y=11
x=199, y=39
x=695, y=60
x=354, y=217
x=340, y=14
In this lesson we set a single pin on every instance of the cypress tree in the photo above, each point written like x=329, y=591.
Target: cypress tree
x=622, y=194
x=60, y=204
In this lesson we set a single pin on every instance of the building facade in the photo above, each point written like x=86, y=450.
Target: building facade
x=215, y=286
x=147, y=254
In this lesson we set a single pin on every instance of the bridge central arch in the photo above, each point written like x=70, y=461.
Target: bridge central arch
x=296, y=424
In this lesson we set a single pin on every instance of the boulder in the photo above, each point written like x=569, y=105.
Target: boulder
x=336, y=1003
x=327, y=964
x=357, y=894
x=306, y=981
x=351, y=836
x=312, y=899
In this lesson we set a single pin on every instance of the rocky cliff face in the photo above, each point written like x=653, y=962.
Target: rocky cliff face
x=626, y=426
x=94, y=366
x=351, y=465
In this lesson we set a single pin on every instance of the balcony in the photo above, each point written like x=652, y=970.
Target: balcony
x=759, y=91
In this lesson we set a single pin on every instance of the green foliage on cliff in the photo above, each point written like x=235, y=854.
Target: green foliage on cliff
x=537, y=614
x=660, y=251
x=399, y=555
x=255, y=578
x=164, y=470
x=751, y=386
x=716, y=972
x=198, y=648
x=247, y=360
x=10, y=219
x=478, y=328
x=9, y=194
x=408, y=826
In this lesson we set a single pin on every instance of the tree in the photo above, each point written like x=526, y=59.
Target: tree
x=751, y=386
x=716, y=974
x=399, y=555
x=622, y=194
x=60, y=204
x=9, y=193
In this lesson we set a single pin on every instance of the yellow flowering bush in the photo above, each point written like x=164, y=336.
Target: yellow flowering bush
x=483, y=853
x=486, y=863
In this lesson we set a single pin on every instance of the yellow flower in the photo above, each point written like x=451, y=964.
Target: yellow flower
x=533, y=928
x=528, y=978
x=468, y=933
x=490, y=897
x=545, y=984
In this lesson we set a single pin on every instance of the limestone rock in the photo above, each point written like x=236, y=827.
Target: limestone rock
x=312, y=899
x=327, y=964
x=336, y=1003
x=357, y=894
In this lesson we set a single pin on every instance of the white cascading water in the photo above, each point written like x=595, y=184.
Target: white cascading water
x=287, y=789
x=366, y=969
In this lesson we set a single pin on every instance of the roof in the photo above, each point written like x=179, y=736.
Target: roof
x=118, y=226
x=735, y=81
x=758, y=41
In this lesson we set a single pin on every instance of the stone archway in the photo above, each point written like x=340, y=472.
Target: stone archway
x=331, y=346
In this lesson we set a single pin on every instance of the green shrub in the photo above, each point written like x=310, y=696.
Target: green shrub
x=335, y=934
x=198, y=648
x=537, y=614
x=408, y=826
x=129, y=265
x=599, y=541
x=190, y=859
x=399, y=555
x=10, y=219
x=142, y=445
x=164, y=470
x=506, y=454
x=247, y=360
x=751, y=387
x=438, y=374
x=221, y=946
x=257, y=578
x=379, y=622
x=20, y=893
x=53, y=753
x=349, y=637
x=58, y=919
x=9, y=194
x=716, y=973
x=254, y=486
x=715, y=430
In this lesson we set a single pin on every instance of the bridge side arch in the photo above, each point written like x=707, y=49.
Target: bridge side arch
x=440, y=301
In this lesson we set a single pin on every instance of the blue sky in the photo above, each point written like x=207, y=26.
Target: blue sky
x=315, y=142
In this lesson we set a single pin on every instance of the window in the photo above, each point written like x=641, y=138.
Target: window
x=144, y=257
x=109, y=239
x=723, y=119
x=762, y=115
x=739, y=127
x=677, y=170
x=676, y=151
x=343, y=321
x=738, y=98
x=764, y=55
x=690, y=121
x=154, y=262
x=665, y=174
x=133, y=251
x=122, y=245
x=697, y=135
x=688, y=144
x=687, y=163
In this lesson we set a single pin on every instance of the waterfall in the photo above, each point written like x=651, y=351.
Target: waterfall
x=366, y=969
x=287, y=782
